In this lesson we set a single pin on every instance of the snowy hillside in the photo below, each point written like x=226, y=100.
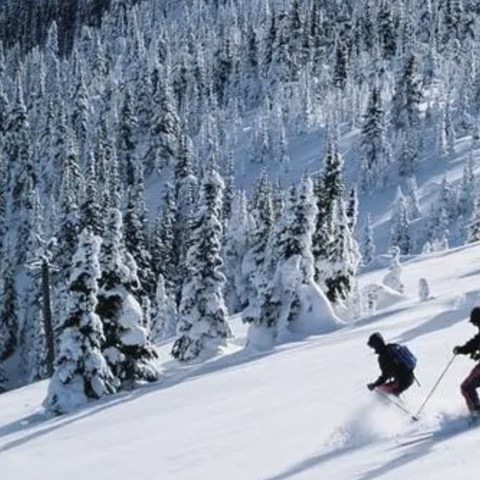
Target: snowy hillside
x=300, y=411
x=207, y=207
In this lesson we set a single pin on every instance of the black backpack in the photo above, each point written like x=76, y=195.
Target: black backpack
x=402, y=356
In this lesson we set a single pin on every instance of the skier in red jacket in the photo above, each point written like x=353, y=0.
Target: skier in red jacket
x=472, y=382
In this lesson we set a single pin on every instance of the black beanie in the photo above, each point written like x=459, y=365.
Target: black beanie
x=376, y=340
x=475, y=316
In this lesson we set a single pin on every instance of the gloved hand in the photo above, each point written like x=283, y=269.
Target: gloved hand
x=457, y=350
x=371, y=386
x=475, y=355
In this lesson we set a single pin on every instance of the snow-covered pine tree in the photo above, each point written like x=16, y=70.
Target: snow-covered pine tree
x=449, y=128
x=252, y=69
x=462, y=102
x=367, y=244
x=32, y=338
x=452, y=22
x=113, y=190
x=224, y=65
x=386, y=30
x=423, y=290
x=392, y=278
x=253, y=265
x=165, y=253
x=52, y=61
x=203, y=324
x=104, y=167
x=287, y=269
x=352, y=209
x=441, y=213
x=354, y=303
x=66, y=238
x=136, y=234
x=328, y=191
x=466, y=194
x=295, y=34
x=144, y=110
x=165, y=128
x=9, y=324
x=235, y=248
x=127, y=346
x=375, y=148
x=411, y=197
x=406, y=118
x=441, y=140
x=164, y=320
x=186, y=191
x=80, y=115
x=127, y=140
x=81, y=372
x=291, y=258
x=21, y=179
x=19, y=223
x=400, y=225
x=90, y=216
x=4, y=111
x=424, y=20
x=261, y=151
x=62, y=143
x=3, y=197
x=229, y=192
x=278, y=199
x=340, y=68
x=473, y=228
x=342, y=258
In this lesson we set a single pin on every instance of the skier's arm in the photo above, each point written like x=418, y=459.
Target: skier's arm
x=470, y=347
x=380, y=380
x=385, y=369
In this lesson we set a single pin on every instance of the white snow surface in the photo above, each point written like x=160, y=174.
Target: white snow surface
x=299, y=411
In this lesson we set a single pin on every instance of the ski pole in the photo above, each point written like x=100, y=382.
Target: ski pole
x=434, y=387
x=398, y=405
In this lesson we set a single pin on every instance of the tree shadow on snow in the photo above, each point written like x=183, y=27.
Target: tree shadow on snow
x=381, y=315
x=42, y=423
x=409, y=451
x=314, y=461
x=442, y=320
x=46, y=424
x=475, y=273
x=413, y=450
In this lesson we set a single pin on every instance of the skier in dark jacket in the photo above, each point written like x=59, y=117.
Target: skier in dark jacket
x=394, y=378
x=472, y=382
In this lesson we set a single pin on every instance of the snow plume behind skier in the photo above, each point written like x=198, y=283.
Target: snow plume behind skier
x=369, y=422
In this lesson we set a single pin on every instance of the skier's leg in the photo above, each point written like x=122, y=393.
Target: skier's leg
x=468, y=388
x=403, y=383
x=389, y=388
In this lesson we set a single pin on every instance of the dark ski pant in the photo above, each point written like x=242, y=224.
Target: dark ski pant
x=469, y=389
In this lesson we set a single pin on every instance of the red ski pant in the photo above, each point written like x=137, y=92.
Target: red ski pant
x=389, y=388
x=469, y=389
x=399, y=385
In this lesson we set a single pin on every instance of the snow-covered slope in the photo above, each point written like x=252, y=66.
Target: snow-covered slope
x=299, y=411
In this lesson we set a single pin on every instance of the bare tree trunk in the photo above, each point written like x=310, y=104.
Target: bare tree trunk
x=47, y=317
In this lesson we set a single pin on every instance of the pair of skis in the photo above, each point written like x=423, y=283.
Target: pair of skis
x=472, y=421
